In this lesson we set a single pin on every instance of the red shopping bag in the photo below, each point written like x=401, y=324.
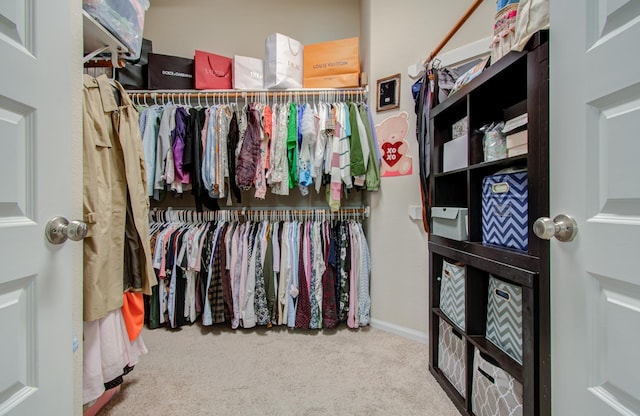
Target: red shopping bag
x=213, y=72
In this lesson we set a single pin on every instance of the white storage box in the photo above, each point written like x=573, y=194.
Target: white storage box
x=455, y=154
x=517, y=139
x=518, y=150
x=450, y=222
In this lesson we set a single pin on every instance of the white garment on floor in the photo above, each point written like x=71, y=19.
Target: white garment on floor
x=107, y=351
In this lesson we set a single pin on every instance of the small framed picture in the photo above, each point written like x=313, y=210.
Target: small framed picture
x=388, y=93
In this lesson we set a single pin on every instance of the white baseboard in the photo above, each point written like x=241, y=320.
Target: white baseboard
x=408, y=333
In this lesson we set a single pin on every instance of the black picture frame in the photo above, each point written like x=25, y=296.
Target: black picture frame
x=388, y=93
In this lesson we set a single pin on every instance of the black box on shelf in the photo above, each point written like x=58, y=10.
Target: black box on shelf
x=133, y=76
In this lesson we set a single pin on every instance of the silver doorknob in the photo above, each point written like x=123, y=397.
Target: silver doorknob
x=59, y=229
x=562, y=227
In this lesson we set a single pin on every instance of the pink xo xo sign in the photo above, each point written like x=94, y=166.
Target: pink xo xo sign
x=391, y=153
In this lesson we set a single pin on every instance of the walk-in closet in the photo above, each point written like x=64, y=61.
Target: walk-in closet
x=318, y=208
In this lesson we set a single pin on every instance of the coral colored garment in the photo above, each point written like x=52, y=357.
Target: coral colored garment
x=133, y=313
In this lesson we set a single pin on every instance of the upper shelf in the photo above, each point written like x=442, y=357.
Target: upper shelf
x=492, y=71
x=99, y=40
x=506, y=63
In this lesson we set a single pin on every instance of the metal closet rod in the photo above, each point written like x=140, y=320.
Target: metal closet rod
x=301, y=92
x=244, y=213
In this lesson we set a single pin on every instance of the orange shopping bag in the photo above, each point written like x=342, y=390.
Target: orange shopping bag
x=334, y=64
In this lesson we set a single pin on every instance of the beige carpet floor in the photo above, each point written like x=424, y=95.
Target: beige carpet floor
x=219, y=371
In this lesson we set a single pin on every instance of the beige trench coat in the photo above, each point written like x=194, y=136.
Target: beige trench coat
x=113, y=163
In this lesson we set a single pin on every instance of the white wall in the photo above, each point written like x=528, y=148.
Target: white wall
x=240, y=27
x=393, y=36
x=400, y=34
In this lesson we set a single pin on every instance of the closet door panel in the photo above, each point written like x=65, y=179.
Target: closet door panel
x=36, y=163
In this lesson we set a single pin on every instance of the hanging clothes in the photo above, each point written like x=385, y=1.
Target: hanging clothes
x=301, y=273
x=117, y=267
x=278, y=177
x=108, y=354
x=307, y=145
x=232, y=144
x=372, y=180
x=250, y=151
x=182, y=178
x=219, y=151
x=260, y=181
x=114, y=178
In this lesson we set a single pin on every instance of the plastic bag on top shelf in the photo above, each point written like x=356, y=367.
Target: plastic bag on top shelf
x=123, y=18
x=494, y=142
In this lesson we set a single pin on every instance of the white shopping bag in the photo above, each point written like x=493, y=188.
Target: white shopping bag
x=248, y=73
x=283, y=63
x=533, y=15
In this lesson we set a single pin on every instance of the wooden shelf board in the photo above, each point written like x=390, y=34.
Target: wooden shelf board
x=508, y=161
x=450, y=172
x=520, y=268
x=97, y=37
x=445, y=318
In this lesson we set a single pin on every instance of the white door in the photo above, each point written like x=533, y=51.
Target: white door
x=37, y=79
x=595, y=177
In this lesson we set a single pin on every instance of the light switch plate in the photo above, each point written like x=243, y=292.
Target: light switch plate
x=415, y=212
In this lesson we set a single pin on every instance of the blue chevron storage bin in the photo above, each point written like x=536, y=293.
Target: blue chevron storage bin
x=504, y=317
x=505, y=209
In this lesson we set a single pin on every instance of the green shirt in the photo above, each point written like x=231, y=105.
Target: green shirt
x=292, y=145
x=357, y=159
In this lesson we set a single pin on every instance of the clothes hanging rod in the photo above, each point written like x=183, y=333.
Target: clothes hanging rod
x=243, y=213
x=301, y=92
x=453, y=31
x=364, y=211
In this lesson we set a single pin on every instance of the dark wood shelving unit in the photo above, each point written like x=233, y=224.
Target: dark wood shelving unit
x=516, y=84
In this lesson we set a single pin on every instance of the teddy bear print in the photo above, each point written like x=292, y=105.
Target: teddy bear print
x=392, y=133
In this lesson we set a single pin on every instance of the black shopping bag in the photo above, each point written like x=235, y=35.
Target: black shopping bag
x=133, y=76
x=166, y=72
